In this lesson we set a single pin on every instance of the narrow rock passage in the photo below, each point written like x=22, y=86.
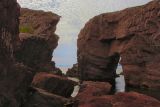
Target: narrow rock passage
x=120, y=80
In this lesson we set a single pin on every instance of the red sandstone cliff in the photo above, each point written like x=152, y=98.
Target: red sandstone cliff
x=30, y=51
x=16, y=86
x=132, y=34
x=14, y=78
x=38, y=39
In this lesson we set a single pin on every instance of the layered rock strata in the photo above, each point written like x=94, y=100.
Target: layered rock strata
x=131, y=99
x=38, y=39
x=54, y=84
x=132, y=35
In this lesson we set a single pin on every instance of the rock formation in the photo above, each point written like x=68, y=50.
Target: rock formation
x=38, y=39
x=22, y=56
x=131, y=99
x=41, y=98
x=132, y=34
x=8, y=31
x=26, y=79
x=90, y=89
x=73, y=72
x=54, y=84
x=14, y=77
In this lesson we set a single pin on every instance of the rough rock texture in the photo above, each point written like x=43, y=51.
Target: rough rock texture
x=131, y=99
x=41, y=98
x=14, y=86
x=21, y=55
x=73, y=72
x=40, y=23
x=8, y=31
x=14, y=77
x=54, y=84
x=38, y=39
x=90, y=89
x=132, y=34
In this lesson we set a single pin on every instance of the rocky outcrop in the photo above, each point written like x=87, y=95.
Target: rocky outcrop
x=14, y=86
x=131, y=99
x=14, y=77
x=38, y=39
x=19, y=52
x=73, y=72
x=54, y=84
x=132, y=34
x=90, y=89
x=41, y=98
x=8, y=31
x=41, y=24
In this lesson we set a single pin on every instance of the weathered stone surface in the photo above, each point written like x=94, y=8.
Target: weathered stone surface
x=8, y=31
x=14, y=84
x=42, y=98
x=40, y=23
x=73, y=72
x=131, y=99
x=90, y=89
x=38, y=39
x=132, y=34
x=54, y=84
x=14, y=78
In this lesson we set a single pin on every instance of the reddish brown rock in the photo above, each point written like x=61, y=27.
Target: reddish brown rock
x=54, y=84
x=40, y=23
x=38, y=39
x=8, y=32
x=14, y=84
x=42, y=98
x=90, y=89
x=14, y=78
x=131, y=99
x=73, y=72
x=132, y=34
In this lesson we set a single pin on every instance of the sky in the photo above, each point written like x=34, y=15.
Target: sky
x=74, y=14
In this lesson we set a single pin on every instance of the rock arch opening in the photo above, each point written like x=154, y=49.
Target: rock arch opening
x=115, y=68
x=119, y=80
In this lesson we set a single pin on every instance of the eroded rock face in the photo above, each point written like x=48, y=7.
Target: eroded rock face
x=14, y=84
x=8, y=31
x=73, y=72
x=132, y=34
x=131, y=99
x=90, y=89
x=21, y=55
x=42, y=98
x=38, y=39
x=54, y=84
x=14, y=77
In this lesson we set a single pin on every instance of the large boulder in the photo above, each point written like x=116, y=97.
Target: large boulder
x=40, y=23
x=132, y=35
x=41, y=98
x=131, y=99
x=90, y=89
x=38, y=39
x=54, y=84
